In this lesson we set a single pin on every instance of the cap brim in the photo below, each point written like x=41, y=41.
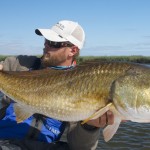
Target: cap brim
x=50, y=35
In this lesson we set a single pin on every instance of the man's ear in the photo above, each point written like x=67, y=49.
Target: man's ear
x=74, y=50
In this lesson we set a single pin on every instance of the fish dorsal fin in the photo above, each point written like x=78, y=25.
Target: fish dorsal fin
x=96, y=62
x=33, y=73
x=21, y=112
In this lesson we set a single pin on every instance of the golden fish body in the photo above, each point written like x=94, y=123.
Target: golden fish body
x=76, y=94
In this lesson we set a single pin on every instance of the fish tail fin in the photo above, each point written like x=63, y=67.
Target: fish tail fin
x=21, y=112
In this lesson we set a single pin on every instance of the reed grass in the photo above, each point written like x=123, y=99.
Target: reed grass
x=81, y=59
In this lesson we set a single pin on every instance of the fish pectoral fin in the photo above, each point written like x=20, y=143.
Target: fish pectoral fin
x=110, y=130
x=98, y=113
x=21, y=112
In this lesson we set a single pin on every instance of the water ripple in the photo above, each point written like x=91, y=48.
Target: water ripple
x=130, y=135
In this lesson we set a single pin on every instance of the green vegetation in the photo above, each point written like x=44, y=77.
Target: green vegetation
x=136, y=59
x=2, y=57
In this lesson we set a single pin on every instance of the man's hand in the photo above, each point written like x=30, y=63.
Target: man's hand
x=1, y=67
x=105, y=119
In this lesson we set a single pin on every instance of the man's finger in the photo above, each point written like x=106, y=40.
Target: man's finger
x=110, y=118
x=102, y=120
x=1, y=66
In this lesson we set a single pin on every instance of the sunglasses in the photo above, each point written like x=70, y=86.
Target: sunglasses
x=58, y=44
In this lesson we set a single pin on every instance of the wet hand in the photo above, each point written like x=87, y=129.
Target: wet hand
x=105, y=119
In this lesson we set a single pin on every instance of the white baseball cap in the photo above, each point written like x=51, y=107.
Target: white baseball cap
x=64, y=31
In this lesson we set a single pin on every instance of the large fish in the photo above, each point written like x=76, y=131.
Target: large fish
x=87, y=91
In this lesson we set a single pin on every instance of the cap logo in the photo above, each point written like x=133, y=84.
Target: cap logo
x=60, y=26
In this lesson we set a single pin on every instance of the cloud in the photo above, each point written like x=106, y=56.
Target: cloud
x=17, y=47
x=146, y=36
x=118, y=50
x=10, y=47
x=130, y=29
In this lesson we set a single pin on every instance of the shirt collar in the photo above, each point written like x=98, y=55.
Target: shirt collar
x=63, y=67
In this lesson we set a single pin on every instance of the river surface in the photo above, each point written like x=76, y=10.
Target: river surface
x=130, y=136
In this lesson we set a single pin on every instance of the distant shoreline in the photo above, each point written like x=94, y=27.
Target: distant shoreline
x=81, y=59
x=135, y=59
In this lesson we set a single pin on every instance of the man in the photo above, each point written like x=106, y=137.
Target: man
x=61, y=47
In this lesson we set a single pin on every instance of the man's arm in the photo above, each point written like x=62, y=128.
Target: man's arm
x=12, y=64
x=80, y=138
x=85, y=137
x=20, y=63
x=1, y=66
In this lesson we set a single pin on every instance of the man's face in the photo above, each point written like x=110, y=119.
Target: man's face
x=54, y=54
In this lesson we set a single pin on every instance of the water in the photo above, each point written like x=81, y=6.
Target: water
x=130, y=135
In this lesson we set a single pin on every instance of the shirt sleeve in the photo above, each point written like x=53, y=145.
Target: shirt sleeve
x=12, y=64
x=1, y=62
x=20, y=63
x=80, y=138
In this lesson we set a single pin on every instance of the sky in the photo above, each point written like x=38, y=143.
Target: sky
x=112, y=27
